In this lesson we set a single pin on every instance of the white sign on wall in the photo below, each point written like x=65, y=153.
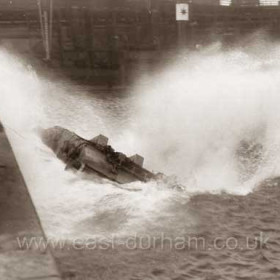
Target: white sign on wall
x=182, y=11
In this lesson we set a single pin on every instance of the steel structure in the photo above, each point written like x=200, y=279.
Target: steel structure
x=102, y=34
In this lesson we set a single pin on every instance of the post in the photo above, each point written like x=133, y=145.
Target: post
x=182, y=18
x=51, y=24
x=41, y=22
x=47, y=35
x=46, y=26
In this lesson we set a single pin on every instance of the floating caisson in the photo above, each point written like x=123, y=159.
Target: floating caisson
x=95, y=156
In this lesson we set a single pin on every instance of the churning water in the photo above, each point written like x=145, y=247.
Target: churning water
x=187, y=120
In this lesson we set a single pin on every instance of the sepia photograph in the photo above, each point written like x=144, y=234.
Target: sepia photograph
x=139, y=140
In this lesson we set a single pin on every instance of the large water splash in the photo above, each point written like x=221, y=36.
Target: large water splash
x=188, y=119
x=191, y=116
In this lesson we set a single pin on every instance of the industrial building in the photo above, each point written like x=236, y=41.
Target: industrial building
x=90, y=37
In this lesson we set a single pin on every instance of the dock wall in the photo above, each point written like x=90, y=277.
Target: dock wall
x=18, y=222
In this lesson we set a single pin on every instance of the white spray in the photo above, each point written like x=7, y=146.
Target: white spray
x=186, y=120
